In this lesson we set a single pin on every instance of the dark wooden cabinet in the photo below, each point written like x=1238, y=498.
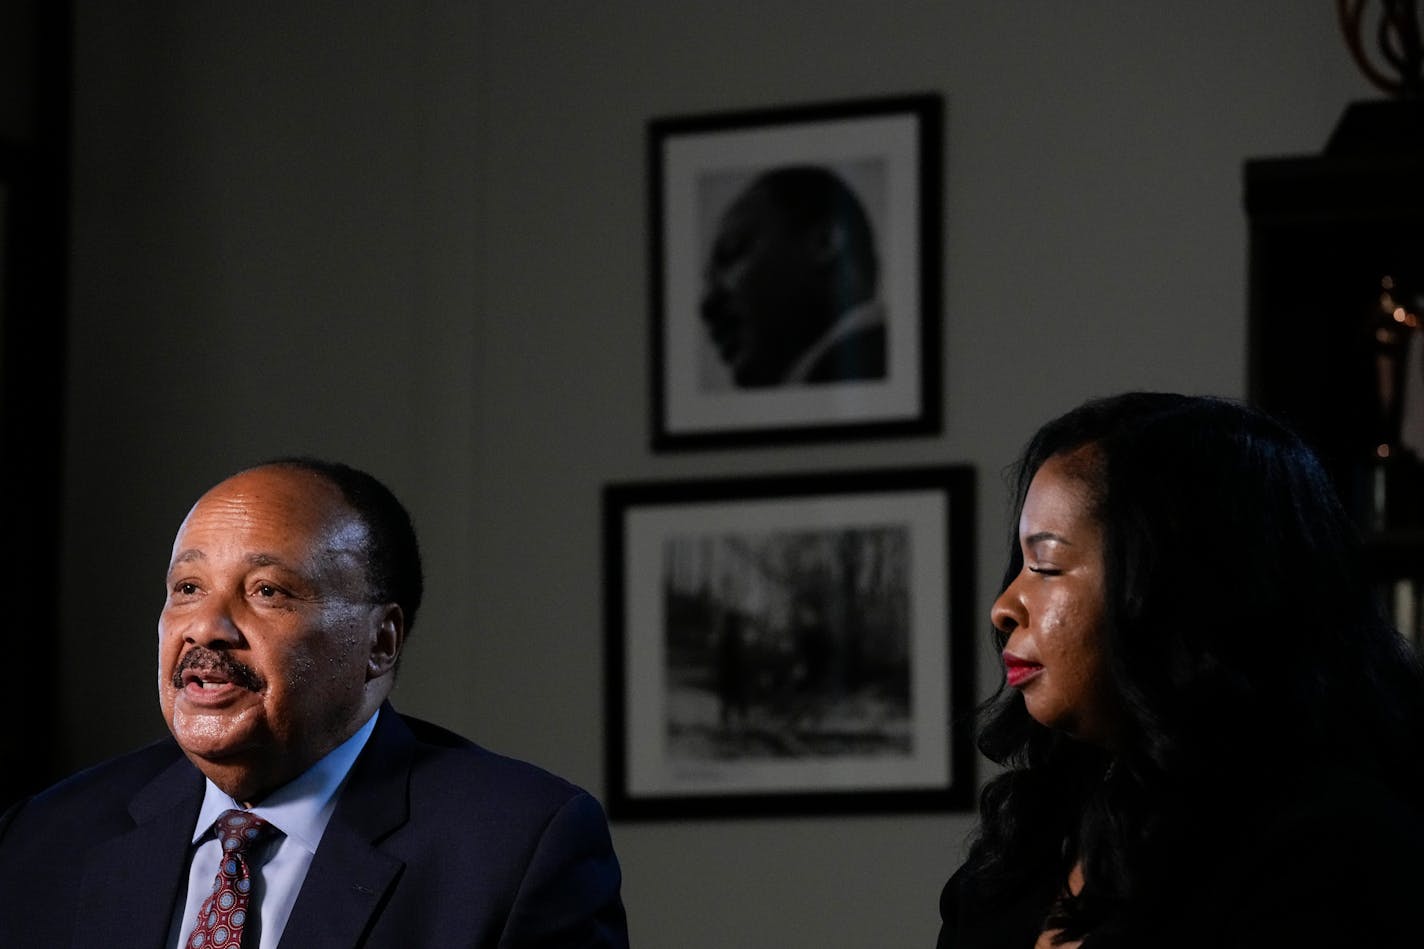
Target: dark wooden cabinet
x=1336, y=345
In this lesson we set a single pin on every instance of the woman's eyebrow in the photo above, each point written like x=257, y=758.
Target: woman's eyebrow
x=1043, y=536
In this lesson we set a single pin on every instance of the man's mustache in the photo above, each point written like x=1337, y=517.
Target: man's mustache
x=204, y=660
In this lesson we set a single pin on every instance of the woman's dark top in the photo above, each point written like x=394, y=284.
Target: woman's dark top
x=1337, y=862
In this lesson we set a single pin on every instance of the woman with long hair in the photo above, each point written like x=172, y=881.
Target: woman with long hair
x=1210, y=736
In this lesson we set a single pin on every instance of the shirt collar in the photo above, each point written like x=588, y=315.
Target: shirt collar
x=302, y=807
x=863, y=316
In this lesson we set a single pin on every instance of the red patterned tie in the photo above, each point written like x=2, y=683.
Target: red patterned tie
x=224, y=912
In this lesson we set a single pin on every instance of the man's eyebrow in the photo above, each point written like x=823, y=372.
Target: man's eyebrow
x=187, y=556
x=253, y=560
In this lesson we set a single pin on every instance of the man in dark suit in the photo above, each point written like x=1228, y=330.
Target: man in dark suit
x=291, y=592
x=790, y=286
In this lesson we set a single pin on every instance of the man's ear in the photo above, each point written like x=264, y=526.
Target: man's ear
x=387, y=640
x=828, y=242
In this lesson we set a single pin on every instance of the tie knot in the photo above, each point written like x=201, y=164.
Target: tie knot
x=239, y=830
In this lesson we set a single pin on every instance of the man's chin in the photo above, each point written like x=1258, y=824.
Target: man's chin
x=213, y=734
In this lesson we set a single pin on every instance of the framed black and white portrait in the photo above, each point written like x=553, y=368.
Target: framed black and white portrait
x=790, y=644
x=795, y=270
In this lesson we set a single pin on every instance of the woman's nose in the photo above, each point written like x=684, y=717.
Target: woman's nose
x=1008, y=614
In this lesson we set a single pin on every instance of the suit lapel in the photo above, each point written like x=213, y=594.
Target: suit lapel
x=349, y=876
x=110, y=908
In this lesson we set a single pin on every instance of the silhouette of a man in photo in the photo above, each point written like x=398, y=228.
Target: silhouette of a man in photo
x=790, y=287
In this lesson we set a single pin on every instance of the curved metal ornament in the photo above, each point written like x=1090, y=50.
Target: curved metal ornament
x=1398, y=67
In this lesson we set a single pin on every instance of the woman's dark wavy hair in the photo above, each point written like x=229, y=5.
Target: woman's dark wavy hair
x=1243, y=641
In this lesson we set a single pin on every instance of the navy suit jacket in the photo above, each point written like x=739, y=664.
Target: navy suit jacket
x=434, y=842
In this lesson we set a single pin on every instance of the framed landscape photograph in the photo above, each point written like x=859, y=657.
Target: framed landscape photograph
x=795, y=272
x=790, y=644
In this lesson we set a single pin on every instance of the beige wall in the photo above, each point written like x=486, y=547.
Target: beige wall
x=411, y=235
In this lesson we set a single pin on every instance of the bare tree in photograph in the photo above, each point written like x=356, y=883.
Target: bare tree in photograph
x=788, y=644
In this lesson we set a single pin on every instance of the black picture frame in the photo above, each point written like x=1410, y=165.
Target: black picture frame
x=882, y=381
x=790, y=644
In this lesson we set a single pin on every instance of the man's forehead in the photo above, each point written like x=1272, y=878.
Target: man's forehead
x=282, y=486
x=276, y=506
x=752, y=204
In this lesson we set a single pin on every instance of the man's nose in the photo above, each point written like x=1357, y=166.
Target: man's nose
x=712, y=306
x=213, y=622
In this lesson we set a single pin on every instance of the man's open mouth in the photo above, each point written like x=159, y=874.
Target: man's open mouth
x=207, y=669
x=204, y=680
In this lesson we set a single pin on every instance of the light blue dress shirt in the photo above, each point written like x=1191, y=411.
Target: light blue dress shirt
x=299, y=809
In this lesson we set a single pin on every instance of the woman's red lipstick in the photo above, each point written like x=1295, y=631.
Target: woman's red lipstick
x=1018, y=672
